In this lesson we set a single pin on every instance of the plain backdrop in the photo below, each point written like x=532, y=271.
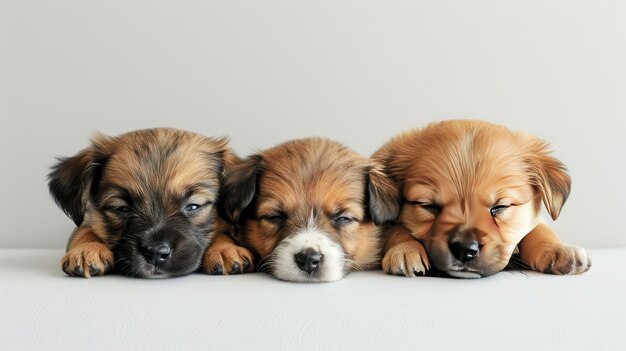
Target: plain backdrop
x=267, y=71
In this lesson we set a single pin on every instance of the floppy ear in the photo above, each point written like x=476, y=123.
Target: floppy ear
x=71, y=179
x=384, y=200
x=239, y=188
x=551, y=178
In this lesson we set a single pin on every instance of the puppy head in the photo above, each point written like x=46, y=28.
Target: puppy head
x=149, y=195
x=472, y=191
x=310, y=208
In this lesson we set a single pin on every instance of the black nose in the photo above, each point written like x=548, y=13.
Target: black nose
x=308, y=260
x=157, y=254
x=464, y=250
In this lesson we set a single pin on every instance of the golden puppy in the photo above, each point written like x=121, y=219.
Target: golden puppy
x=472, y=193
x=144, y=202
x=310, y=209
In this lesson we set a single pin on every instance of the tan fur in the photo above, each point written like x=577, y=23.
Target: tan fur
x=139, y=162
x=468, y=167
x=543, y=251
x=86, y=252
x=223, y=256
x=310, y=178
x=403, y=254
x=316, y=174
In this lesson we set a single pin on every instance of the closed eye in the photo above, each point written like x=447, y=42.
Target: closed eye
x=341, y=220
x=276, y=218
x=123, y=209
x=431, y=207
x=120, y=208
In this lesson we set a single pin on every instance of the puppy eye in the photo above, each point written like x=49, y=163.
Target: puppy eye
x=123, y=209
x=428, y=206
x=497, y=210
x=275, y=218
x=342, y=220
x=192, y=207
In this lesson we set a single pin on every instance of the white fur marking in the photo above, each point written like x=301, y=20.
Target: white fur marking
x=332, y=266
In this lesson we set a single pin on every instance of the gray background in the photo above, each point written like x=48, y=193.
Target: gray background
x=263, y=72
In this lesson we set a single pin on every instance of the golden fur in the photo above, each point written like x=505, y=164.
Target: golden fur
x=452, y=177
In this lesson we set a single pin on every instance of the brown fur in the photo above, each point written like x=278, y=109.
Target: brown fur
x=157, y=169
x=224, y=256
x=450, y=175
x=310, y=178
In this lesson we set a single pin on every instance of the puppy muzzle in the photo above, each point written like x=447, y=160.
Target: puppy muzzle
x=308, y=256
x=162, y=254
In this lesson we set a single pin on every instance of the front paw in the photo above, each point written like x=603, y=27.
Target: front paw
x=562, y=259
x=227, y=258
x=87, y=260
x=408, y=259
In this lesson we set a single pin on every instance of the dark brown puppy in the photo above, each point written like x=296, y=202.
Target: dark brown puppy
x=309, y=209
x=144, y=202
x=472, y=194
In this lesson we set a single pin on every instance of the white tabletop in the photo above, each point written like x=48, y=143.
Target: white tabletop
x=41, y=308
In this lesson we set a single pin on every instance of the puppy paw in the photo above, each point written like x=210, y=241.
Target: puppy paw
x=87, y=260
x=408, y=259
x=227, y=258
x=562, y=259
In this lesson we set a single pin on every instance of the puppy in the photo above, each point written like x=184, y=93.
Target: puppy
x=472, y=193
x=310, y=209
x=143, y=202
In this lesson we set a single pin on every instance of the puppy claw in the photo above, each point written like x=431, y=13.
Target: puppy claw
x=220, y=255
x=407, y=259
x=93, y=270
x=246, y=264
x=217, y=270
x=78, y=270
x=562, y=259
x=87, y=260
x=548, y=269
x=236, y=269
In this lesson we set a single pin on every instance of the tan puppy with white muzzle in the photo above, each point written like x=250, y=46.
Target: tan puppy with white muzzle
x=310, y=209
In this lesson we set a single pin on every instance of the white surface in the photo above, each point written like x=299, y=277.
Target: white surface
x=41, y=308
x=267, y=71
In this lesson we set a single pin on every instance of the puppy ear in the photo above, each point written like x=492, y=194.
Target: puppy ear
x=239, y=188
x=71, y=179
x=384, y=199
x=550, y=176
x=219, y=154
